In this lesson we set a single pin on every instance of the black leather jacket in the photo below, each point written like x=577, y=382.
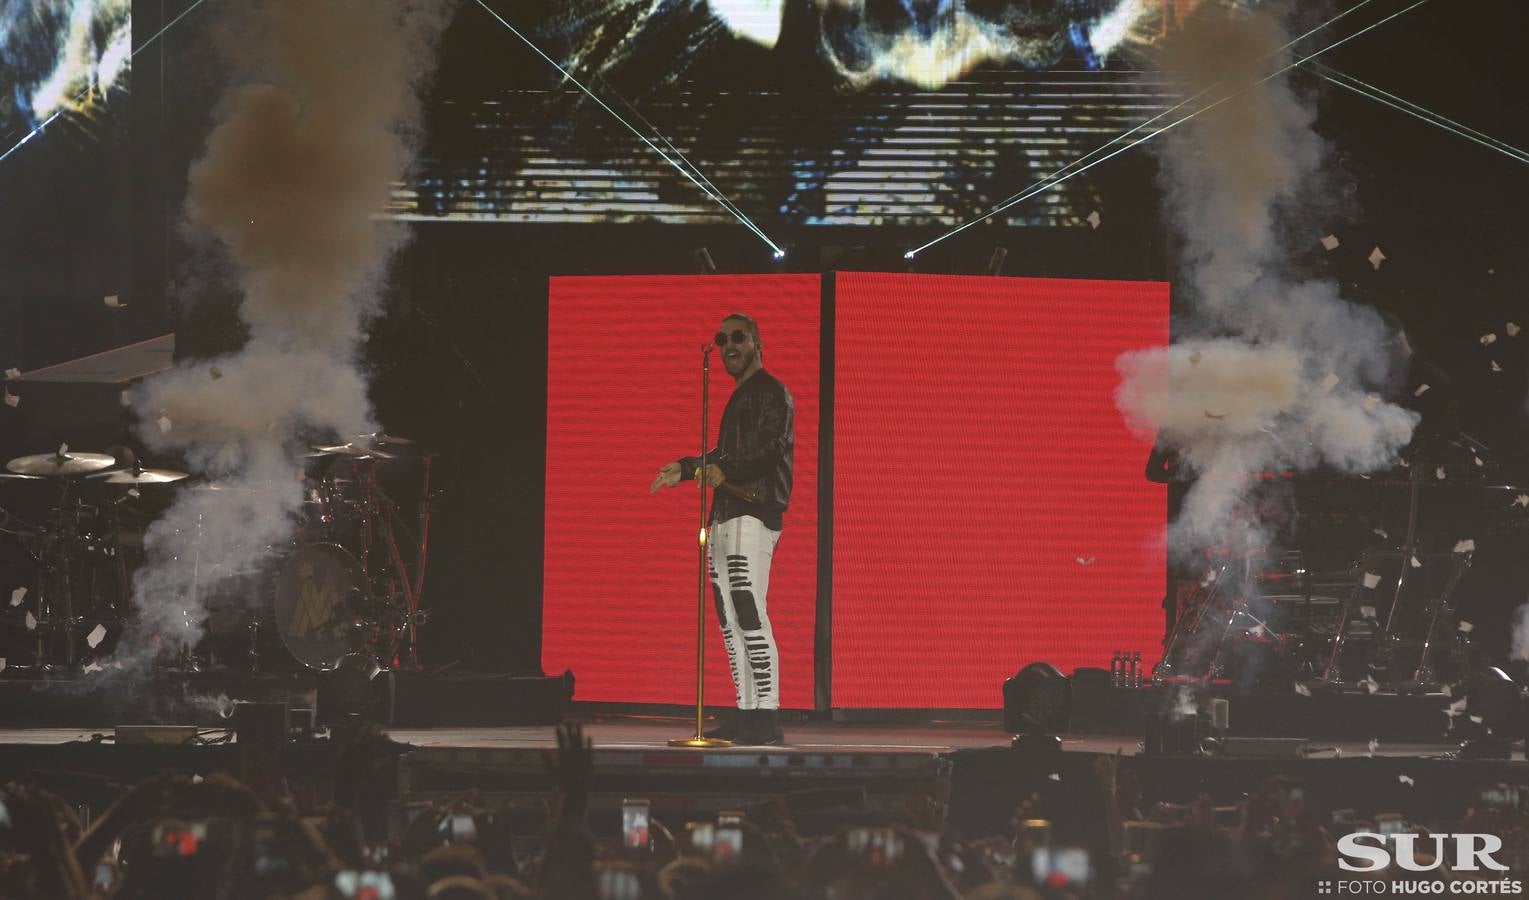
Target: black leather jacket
x=754, y=448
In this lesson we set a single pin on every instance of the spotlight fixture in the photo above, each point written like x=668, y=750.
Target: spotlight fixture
x=704, y=262
x=1037, y=702
x=779, y=255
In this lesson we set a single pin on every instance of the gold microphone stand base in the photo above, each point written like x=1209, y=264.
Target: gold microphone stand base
x=700, y=743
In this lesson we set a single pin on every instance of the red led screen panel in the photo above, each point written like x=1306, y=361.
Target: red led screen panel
x=623, y=399
x=990, y=506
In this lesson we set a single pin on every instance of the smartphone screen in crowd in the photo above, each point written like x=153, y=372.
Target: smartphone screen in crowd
x=634, y=824
x=728, y=844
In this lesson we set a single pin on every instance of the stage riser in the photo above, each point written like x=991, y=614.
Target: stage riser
x=94, y=701
x=987, y=785
x=1273, y=713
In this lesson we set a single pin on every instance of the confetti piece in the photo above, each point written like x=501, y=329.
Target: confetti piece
x=18, y=595
x=112, y=301
x=1330, y=242
x=1405, y=780
x=1488, y=339
x=1055, y=776
x=1371, y=579
x=1383, y=533
x=1376, y=258
x=31, y=622
x=12, y=373
x=1466, y=546
x=1477, y=461
x=164, y=424
x=1371, y=401
x=1512, y=329
x=1093, y=218
x=1439, y=473
x=1374, y=745
x=1476, y=719
x=1422, y=389
x=12, y=400
x=1367, y=612
x=125, y=398
x=1303, y=690
x=1416, y=563
x=1330, y=382
x=1467, y=627
x=96, y=636
x=1495, y=366
x=1081, y=560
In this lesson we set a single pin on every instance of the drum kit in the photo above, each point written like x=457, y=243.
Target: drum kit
x=1368, y=600
x=348, y=580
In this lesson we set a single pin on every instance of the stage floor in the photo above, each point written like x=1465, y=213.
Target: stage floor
x=650, y=734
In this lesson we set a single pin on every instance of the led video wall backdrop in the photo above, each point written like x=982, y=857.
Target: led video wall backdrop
x=63, y=60
x=990, y=506
x=623, y=399
x=820, y=112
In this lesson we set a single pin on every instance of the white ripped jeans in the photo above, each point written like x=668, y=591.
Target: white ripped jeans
x=745, y=547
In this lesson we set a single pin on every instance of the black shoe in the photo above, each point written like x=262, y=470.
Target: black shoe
x=732, y=723
x=761, y=727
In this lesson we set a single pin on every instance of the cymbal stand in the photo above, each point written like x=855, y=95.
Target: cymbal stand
x=56, y=574
x=380, y=516
x=1426, y=674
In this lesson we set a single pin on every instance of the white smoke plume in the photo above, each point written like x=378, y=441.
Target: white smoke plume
x=319, y=121
x=1268, y=370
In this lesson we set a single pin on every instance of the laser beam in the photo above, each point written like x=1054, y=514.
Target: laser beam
x=1081, y=165
x=1364, y=89
x=778, y=251
x=81, y=96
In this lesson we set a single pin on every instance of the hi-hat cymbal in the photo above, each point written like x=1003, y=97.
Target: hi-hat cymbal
x=63, y=463
x=12, y=476
x=143, y=476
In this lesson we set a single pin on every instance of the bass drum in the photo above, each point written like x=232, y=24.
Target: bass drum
x=320, y=593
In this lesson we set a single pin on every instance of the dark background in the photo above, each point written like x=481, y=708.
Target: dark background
x=460, y=361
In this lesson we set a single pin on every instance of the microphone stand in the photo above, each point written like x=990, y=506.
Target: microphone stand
x=699, y=740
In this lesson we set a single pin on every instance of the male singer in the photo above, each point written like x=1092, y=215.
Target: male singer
x=753, y=458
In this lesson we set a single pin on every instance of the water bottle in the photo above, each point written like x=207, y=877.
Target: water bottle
x=1136, y=669
x=1116, y=669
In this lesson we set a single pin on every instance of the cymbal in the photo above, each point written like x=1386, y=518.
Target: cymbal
x=63, y=463
x=354, y=451
x=143, y=476
x=12, y=476
x=379, y=437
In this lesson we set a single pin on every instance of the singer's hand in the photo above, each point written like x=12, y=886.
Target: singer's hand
x=668, y=476
x=713, y=476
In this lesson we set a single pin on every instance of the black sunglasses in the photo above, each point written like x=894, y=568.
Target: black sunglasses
x=739, y=336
